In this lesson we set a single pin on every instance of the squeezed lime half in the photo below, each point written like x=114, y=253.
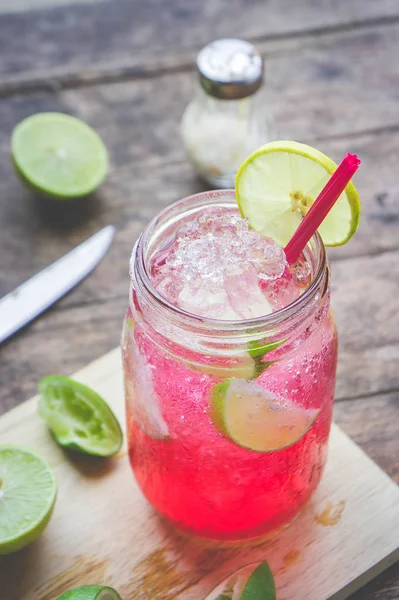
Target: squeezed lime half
x=28, y=490
x=78, y=417
x=59, y=155
x=91, y=592
x=277, y=185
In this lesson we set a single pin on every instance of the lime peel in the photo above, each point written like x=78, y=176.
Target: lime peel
x=90, y=592
x=78, y=417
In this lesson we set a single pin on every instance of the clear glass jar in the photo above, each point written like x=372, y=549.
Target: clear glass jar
x=227, y=118
x=188, y=468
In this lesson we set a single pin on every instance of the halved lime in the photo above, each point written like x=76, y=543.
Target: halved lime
x=254, y=418
x=28, y=490
x=278, y=183
x=91, y=592
x=59, y=155
x=252, y=582
x=78, y=417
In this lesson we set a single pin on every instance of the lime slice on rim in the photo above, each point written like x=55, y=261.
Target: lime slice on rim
x=28, y=490
x=91, y=592
x=78, y=417
x=278, y=183
x=59, y=155
x=256, y=419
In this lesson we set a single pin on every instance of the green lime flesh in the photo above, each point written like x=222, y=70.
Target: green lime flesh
x=277, y=185
x=256, y=419
x=28, y=490
x=59, y=155
x=78, y=417
x=91, y=592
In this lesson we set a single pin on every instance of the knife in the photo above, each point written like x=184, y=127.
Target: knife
x=41, y=291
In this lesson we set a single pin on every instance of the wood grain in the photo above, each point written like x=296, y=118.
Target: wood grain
x=372, y=422
x=332, y=81
x=87, y=37
x=144, y=558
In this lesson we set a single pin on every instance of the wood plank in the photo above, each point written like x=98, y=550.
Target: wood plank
x=143, y=559
x=384, y=587
x=8, y=6
x=373, y=423
x=365, y=296
x=84, y=37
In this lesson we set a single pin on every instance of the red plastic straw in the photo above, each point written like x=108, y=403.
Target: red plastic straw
x=321, y=207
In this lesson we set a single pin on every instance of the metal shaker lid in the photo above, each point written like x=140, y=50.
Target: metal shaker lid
x=230, y=69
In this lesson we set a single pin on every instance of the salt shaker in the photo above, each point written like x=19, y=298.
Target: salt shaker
x=227, y=118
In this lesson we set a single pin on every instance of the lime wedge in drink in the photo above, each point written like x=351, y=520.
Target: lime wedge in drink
x=248, y=366
x=245, y=368
x=254, y=418
x=59, y=155
x=28, y=489
x=91, y=592
x=78, y=417
x=278, y=183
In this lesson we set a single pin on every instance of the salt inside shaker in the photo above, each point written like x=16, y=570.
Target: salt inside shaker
x=227, y=118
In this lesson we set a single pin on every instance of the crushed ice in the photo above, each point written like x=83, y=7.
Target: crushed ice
x=215, y=266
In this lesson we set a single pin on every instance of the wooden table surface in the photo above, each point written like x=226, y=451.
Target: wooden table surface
x=127, y=68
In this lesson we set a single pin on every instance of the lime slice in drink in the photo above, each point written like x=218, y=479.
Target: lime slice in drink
x=278, y=183
x=59, y=155
x=28, y=489
x=78, y=417
x=248, y=365
x=91, y=592
x=254, y=418
x=244, y=368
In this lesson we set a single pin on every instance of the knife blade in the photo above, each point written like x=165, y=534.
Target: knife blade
x=39, y=292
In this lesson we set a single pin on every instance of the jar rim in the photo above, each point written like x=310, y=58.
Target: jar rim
x=170, y=310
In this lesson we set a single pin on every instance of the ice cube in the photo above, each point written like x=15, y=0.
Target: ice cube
x=244, y=294
x=302, y=272
x=269, y=259
x=142, y=398
x=207, y=302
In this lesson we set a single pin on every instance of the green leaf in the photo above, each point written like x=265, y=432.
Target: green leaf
x=260, y=367
x=223, y=597
x=260, y=585
x=258, y=351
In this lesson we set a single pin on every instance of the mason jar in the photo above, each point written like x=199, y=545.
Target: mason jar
x=177, y=368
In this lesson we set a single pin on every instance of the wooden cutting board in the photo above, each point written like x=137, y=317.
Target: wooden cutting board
x=103, y=531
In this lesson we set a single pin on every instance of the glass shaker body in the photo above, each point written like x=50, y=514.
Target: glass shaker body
x=228, y=118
